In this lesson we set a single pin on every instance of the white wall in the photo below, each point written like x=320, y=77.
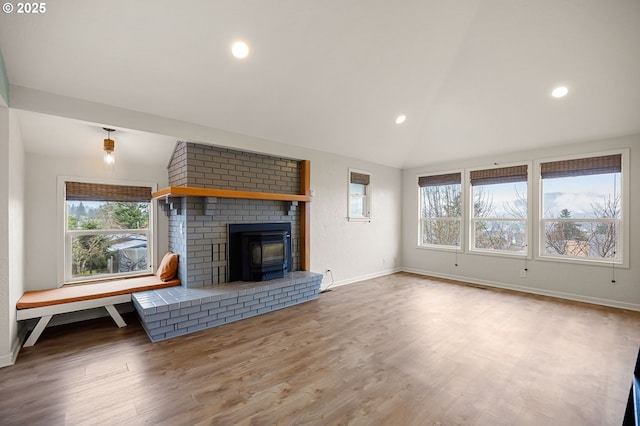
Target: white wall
x=42, y=216
x=577, y=282
x=12, y=249
x=353, y=251
x=5, y=303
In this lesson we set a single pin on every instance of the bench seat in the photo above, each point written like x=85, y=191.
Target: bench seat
x=44, y=304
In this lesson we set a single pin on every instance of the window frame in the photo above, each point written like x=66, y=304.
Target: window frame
x=64, y=276
x=471, y=237
x=367, y=196
x=461, y=221
x=623, y=240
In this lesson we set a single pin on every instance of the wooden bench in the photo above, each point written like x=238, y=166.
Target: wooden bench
x=44, y=304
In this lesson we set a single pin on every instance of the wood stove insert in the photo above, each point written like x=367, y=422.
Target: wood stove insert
x=259, y=252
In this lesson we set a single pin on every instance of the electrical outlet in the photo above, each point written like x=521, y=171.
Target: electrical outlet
x=523, y=273
x=384, y=260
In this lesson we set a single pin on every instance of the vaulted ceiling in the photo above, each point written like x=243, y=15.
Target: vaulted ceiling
x=472, y=77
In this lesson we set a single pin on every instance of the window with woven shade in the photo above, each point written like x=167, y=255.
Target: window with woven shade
x=440, y=203
x=499, y=210
x=107, y=230
x=582, y=208
x=359, y=195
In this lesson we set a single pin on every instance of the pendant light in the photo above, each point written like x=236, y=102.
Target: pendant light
x=109, y=147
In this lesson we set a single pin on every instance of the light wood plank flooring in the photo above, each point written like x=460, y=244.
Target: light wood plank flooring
x=396, y=350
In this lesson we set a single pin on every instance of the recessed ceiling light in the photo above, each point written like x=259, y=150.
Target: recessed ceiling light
x=240, y=49
x=401, y=119
x=559, y=92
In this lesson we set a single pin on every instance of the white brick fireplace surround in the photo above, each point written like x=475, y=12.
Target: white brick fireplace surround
x=198, y=234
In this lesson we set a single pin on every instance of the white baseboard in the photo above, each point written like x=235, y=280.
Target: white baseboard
x=359, y=278
x=10, y=358
x=531, y=290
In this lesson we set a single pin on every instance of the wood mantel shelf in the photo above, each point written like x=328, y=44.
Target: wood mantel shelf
x=187, y=191
x=304, y=197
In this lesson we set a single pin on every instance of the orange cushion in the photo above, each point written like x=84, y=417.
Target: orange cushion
x=168, y=267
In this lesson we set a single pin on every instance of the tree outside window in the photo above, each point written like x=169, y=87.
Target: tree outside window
x=440, y=199
x=582, y=208
x=107, y=231
x=500, y=210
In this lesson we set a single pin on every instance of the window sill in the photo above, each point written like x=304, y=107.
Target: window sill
x=584, y=262
x=440, y=248
x=106, y=279
x=505, y=254
x=359, y=219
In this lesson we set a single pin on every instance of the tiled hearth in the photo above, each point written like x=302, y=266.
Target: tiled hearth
x=177, y=311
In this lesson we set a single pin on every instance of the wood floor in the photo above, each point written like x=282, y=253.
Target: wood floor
x=396, y=350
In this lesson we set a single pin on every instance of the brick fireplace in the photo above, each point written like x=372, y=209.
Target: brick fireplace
x=198, y=226
x=210, y=294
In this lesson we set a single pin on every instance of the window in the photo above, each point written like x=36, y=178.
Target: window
x=107, y=230
x=440, y=198
x=500, y=210
x=359, y=195
x=582, y=215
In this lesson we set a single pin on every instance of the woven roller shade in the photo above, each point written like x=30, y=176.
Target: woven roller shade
x=436, y=180
x=582, y=166
x=83, y=191
x=360, y=178
x=499, y=175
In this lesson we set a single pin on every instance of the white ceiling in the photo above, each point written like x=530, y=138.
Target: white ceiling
x=473, y=77
x=56, y=136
